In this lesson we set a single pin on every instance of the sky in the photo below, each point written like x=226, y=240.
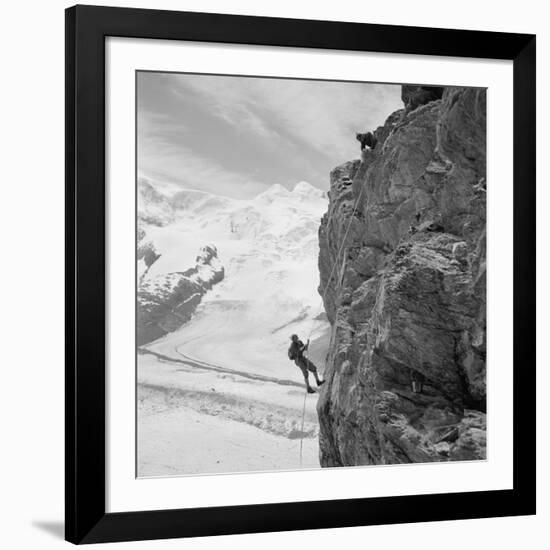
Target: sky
x=237, y=136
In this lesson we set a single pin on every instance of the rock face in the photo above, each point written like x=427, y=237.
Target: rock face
x=402, y=265
x=167, y=301
x=414, y=96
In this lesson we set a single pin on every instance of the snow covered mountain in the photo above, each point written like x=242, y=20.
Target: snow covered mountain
x=266, y=249
x=153, y=207
x=213, y=330
x=167, y=301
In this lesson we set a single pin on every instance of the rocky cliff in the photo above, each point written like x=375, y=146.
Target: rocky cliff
x=402, y=266
x=167, y=301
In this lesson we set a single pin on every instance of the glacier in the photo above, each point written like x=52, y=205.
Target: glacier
x=225, y=364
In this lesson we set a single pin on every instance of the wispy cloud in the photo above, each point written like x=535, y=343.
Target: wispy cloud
x=321, y=114
x=221, y=131
x=232, y=103
x=173, y=165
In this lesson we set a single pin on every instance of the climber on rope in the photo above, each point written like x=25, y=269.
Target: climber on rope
x=366, y=140
x=296, y=354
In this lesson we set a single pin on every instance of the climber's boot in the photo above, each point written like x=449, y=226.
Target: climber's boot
x=310, y=390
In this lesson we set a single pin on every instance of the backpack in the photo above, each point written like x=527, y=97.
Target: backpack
x=291, y=355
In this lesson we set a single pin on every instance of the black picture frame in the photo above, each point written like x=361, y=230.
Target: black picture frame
x=86, y=30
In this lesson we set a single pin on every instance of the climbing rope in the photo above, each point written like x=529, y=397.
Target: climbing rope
x=302, y=428
x=335, y=263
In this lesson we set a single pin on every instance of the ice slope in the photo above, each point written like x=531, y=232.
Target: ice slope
x=196, y=421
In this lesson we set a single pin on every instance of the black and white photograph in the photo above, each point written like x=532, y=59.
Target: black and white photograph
x=274, y=275
x=310, y=274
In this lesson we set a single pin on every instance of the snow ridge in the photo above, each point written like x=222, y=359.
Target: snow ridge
x=168, y=300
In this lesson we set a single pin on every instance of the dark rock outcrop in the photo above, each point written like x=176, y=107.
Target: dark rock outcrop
x=402, y=269
x=414, y=96
x=146, y=253
x=167, y=301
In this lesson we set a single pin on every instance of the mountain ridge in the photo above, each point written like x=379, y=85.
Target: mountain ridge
x=267, y=246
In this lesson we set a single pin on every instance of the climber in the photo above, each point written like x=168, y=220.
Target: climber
x=296, y=354
x=417, y=381
x=366, y=140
